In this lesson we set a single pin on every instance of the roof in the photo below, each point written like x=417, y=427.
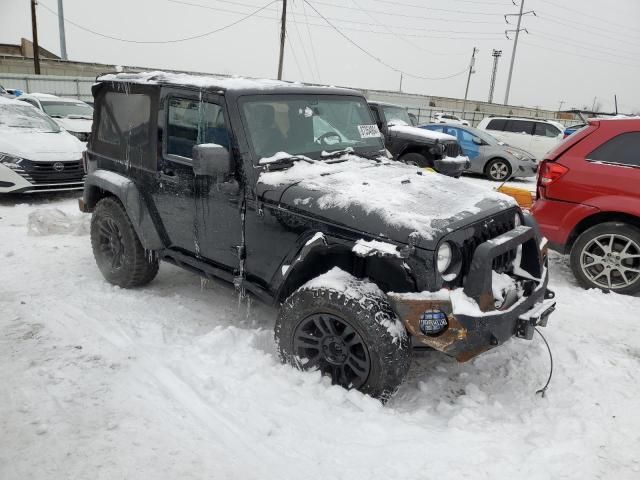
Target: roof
x=48, y=96
x=385, y=104
x=236, y=84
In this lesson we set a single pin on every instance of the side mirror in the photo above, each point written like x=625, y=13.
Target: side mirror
x=477, y=141
x=210, y=160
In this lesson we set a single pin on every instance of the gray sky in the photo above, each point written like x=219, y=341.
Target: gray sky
x=576, y=49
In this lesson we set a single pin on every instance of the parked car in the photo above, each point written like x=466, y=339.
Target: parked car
x=448, y=118
x=4, y=93
x=36, y=155
x=75, y=116
x=588, y=203
x=532, y=135
x=488, y=156
x=416, y=146
x=573, y=129
x=322, y=224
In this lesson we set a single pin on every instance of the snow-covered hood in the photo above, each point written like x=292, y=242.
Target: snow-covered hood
x=80, y=125
x=40, y=146
x=387, y=199
x=418, y=134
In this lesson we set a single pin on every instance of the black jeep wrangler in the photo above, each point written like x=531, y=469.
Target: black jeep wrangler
x=286, y=191
x=416, y=146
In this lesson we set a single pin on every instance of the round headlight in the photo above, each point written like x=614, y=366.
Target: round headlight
x=445, y=256
x=517, y=220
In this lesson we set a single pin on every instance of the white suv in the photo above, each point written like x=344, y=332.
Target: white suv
x=448, y=118
x=533, y=135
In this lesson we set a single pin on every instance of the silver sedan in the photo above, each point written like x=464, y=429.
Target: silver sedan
x=490, y=157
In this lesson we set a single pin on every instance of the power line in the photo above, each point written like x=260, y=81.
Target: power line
x=565, y=52
x=313, y=49
x=466, y=12
x=457, y=32
x=409, y=15
x=575, y=11
x=193, y=37
x=580, y=44
x=377, y=59
x=304, y=52
x=588, y=29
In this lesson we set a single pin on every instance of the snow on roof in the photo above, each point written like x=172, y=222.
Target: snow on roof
x=42, y=95
x=420, y=132
x=200, y=81
x=7, y=101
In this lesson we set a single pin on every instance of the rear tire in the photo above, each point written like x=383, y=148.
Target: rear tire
x=607, y=256
x=498, y=170
x=353, y=337
x=116, y=247
x=416, y=159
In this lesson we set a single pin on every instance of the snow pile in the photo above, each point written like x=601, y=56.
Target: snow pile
x=52, y=221
x=460, y=159
x=400, y=194
x=364, y=248
x=363, y=291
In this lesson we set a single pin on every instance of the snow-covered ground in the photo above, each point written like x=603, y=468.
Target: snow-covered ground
x=178, y=380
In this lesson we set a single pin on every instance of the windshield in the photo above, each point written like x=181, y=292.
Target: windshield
x=396, y=115
x=481, y=134
x=26, y=116
x=67, y=109
x=309, y=125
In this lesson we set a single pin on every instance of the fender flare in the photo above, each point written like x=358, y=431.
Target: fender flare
x=125, y=190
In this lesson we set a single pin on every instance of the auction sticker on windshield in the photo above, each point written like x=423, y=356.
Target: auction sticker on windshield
x=368, y=131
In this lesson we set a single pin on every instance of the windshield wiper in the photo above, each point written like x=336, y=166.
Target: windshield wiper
x=56, y=116
x=282, y=162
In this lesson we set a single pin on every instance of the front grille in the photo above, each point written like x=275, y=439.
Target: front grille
x=51, y=173
x=452, y=149
x=486, y=230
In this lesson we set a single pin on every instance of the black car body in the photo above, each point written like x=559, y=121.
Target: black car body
x=410, y=144
x=270, y=224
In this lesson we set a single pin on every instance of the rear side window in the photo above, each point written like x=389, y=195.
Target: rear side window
x=124, y=128
x=191, y=122
x=496, y=124
x=519, y=126
x=546, y=130
x=623, y=149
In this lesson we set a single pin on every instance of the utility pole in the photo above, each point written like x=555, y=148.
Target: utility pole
x=615, y=101
x=471, y=70
x=515, y=43
x=63, y=39
x=34, y=31
x=562, y=102
x=496, y=54
x=283, y=33
x=400, y=83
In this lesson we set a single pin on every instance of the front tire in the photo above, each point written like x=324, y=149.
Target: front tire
x=116, y=247
x=498, y=170
x=607, y=256
x=352, y=335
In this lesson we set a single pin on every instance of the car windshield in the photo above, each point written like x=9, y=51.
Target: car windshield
x=482, y=135
x=396, y=115
x=67, y=109
x=26, y=116
x=309, y=125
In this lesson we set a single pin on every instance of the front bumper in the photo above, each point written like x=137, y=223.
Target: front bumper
x=473, y=325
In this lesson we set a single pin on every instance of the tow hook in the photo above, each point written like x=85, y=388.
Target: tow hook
x=538, y=316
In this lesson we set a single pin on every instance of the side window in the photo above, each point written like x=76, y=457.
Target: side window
x=546, y=130
x=466, y=136
x=192, y=122
x=520, y=126
x=496, y=124
x=437, y=128
x=623, y=149
x=124, y=127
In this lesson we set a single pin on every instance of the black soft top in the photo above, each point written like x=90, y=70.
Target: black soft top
x=232, y=85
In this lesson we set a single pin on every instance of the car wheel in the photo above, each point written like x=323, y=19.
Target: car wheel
x=416, y=159
x=354, y=338
x=498, y=170
x=116, y=247
x=607, y=257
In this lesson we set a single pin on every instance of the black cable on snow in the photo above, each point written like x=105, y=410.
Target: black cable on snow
x=543, y=390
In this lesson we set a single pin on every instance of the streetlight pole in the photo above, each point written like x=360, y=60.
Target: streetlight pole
x=466, y=92
x=63, y=40
x=283, y=33
x=34, y=32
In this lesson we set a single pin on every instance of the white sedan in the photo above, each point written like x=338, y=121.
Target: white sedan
x=36, y=155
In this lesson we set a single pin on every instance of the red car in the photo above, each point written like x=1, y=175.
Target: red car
x=588, y=203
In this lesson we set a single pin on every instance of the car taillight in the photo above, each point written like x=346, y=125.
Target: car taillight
x=550, y=172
